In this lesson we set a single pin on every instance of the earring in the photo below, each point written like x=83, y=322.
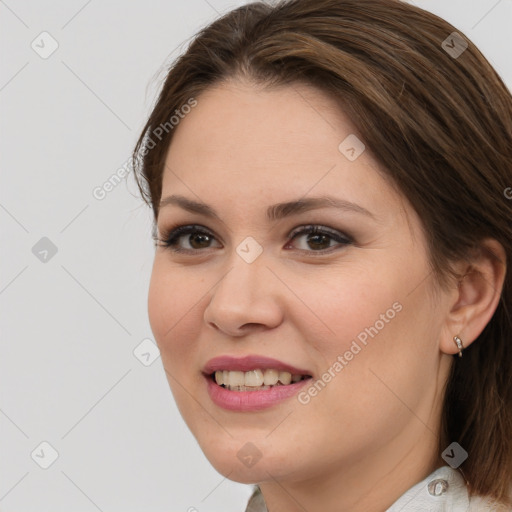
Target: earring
x=459, y=344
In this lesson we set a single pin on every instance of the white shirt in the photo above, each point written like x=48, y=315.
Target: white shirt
x=444, y=490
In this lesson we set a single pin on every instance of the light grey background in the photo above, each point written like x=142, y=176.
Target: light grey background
x=70, y=325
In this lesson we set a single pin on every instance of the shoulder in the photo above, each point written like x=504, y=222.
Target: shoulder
x=482, y=504
x=443, y=490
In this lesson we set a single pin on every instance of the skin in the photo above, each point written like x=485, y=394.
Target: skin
x=371, y=433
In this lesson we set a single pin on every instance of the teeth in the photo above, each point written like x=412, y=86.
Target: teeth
x=254, y=379
x=270, y=377
x=285, y=378
x=235, y=379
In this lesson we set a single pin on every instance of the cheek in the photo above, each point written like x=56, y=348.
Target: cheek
x=172, y=310
x=161, y=303
x=377, y=319
x=346, y=303
x=378, y=355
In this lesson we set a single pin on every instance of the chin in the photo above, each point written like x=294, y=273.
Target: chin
x=238, y=472
x=242, y=461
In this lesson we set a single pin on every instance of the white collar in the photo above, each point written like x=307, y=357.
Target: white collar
x=444, y=490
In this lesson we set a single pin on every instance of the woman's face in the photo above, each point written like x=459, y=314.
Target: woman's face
x=351, y=306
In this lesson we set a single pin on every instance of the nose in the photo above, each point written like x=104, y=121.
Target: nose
x=246, y=299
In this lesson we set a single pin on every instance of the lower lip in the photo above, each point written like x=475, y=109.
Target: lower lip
x=251, y=400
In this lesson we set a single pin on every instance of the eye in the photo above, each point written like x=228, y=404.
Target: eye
x=197, y=238
x=319, y=238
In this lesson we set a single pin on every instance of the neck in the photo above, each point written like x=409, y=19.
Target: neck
x=371, y=484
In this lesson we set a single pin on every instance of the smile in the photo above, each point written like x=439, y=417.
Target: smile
x=251, y=383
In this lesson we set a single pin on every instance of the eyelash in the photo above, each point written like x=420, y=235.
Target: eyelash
x=173, y=234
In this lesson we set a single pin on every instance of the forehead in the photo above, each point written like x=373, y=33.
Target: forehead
x=285, y=133
x=246, y=145
x=242, y=118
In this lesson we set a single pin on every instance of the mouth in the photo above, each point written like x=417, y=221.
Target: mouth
x=252, y=382
x=255, y=380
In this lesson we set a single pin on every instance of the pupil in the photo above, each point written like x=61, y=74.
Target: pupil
x=325, y=237
x=199, y=236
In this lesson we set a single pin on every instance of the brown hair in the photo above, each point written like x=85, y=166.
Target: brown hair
x=440, y=125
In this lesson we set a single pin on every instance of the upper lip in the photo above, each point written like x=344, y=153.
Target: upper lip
x=250, y=362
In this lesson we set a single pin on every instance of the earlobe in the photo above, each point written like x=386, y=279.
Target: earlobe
x=476, y=298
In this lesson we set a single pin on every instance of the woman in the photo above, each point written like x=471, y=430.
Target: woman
x=331, y=288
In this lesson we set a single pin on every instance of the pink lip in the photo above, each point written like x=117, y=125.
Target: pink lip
x=251, y=362
x=250, y=400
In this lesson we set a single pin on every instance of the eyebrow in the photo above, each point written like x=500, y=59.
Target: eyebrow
x=274, y=212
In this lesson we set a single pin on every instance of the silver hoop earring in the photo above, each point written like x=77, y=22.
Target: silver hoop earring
x=459, y=344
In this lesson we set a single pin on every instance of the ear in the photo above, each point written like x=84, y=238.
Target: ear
x=475, y=297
